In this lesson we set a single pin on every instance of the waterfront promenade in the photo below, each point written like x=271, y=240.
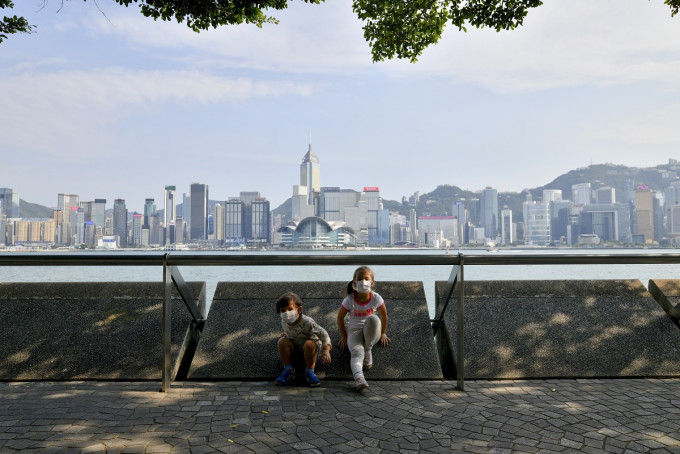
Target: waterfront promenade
x=532, y=416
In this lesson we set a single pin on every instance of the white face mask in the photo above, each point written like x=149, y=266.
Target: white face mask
x=289, y=316
x=363, y=286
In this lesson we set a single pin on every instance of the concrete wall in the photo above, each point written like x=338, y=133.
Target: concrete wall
x=87, y=330
x=242, y=329
x=542, y=329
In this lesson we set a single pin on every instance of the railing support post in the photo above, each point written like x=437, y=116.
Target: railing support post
x=460, y=366
x=166, y=374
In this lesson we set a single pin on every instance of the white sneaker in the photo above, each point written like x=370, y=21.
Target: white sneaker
x=361, y=383
x=368, y=359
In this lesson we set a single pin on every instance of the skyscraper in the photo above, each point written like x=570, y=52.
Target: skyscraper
x=120, y=221
x=66, y=202
x=149, y=210
x=581, y=194
x=199, y=212
x=169, y=207
x=310, y=175
x=644, y=213
x=489, y=212
x=10, y=203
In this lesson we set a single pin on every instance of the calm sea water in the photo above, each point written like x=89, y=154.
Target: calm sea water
x=427, y=274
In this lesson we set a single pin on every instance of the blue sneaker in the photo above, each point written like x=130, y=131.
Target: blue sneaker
x=312, y=379
x=286, y=377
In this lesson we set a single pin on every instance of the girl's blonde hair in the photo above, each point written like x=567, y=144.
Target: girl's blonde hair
x=350, y=285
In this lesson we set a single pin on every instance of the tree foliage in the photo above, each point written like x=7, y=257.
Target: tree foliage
x=393, y=28
x=12, y=24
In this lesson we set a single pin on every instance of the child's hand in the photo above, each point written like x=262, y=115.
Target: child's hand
x=283, y=334
x=342, y=343
x=326, y=357
x=384, y=340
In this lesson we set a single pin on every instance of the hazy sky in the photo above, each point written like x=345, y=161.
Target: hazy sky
x=110, y=104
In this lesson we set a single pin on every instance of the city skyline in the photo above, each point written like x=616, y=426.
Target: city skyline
x=106, y=103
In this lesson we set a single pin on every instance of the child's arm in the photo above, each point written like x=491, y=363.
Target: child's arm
x=342, y=343
x=382, y=313
x=322, y=334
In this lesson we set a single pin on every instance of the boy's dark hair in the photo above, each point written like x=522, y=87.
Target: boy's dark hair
x=287, y=298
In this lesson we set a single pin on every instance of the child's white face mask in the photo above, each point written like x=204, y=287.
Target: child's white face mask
x=363, y=286
x=289, y=316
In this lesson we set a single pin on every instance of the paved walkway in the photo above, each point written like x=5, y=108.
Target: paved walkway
x=620, y=415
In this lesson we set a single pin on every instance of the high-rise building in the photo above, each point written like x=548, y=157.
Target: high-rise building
x=10, y=203
x=610, y=222
x=489, y=212
x=198, y=229
x=552, y=195
x=605, y=195
x=581, y=194
x=507, y=233
x=644, y=213
x=536, y=223
x=260, y=222
x=169, y=213
x=374, y=205
x=66, y=202
x=233, y=220
x=137, y=222
x=149, y=210
x=120, y=222
x=219, y=221
x=310, y=175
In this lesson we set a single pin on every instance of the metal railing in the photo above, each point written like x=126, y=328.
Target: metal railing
x=172, y=277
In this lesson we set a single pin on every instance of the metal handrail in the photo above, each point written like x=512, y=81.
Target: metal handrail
x=172, y=277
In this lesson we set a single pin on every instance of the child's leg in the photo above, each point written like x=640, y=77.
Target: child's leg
x=355, y=343
x=286, y=348
x=371, y=331
x=310, y=351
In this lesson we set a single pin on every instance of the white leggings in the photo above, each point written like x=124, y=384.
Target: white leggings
x=360, y=340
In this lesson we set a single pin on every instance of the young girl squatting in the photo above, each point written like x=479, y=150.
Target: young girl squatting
x=360, y=328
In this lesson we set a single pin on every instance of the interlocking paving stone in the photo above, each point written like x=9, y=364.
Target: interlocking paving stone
x=197, y=417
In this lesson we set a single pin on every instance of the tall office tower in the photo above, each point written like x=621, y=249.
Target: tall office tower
x=413, y=224
x=199, y=212
x=559, y=219
x=233, y=220
x=581, y=194
x=78, y=224
x=673, y=223
x=374, y=205
x=260, y=221
x=609, y=221
x=185, y=212
x=219, y=223
x=169, y=212
x=169, y=206
x=552, y=195
x=10, y=203
x=120, y=221
x=460, y=212
x=3, y=229
x=507, y=236
x=180, y=227
x=310, y=175
x=137, y=221
x=536, y=223
x=58, y=216
x=66, y=202
x=474, y=207
x=155, y=235
x=644, y=213
x=489, y=212
x=300, y=208
x=149, y=210
x=605, y=195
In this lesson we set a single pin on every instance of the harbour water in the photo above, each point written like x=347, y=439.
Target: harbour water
x=427, y=274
